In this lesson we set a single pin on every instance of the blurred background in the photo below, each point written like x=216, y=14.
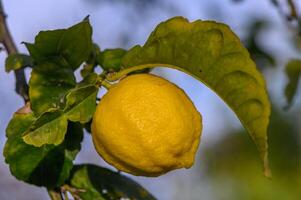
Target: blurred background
x=227, y=165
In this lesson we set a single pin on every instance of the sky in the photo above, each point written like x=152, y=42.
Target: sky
x=119, y=24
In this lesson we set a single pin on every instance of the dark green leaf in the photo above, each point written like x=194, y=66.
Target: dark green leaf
x=48, y=85
x=92, y=62
x=212, y=53
x=74, y=44
x=293, y=71
x=110, y=59
x=17, y=61
x=101, y=184
x=87, y=69
x=48, y=165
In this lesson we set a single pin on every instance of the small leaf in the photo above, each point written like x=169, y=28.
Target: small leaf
x=110, y=59
x=17, y=61
x=293, y=71
x=100, y=183
x=48, y=85
x=212, y=53
x=74, y=44
x=49, y=128
x=45, y=166
x=92, y=62
x=81, y=101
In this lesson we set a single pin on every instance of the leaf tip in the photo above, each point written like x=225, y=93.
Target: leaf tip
x=87, y=18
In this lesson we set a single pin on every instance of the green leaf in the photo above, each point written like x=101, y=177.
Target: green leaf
x=74, y=44
x=101, y=184
x=17, y=61
x=49, y=165
x=48, y=85
x=110, y=59
x=81, y=101
x=51, y=126
x=92, y=62
x=293, y=71
x=212, y=53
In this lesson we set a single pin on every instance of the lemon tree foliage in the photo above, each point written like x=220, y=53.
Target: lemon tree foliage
x=79, y=105
x=101, y=183
x=43, y=141
x=212, y=53
x=57, y=54
x=92, y=62
x=293, y=72
x=47, y=166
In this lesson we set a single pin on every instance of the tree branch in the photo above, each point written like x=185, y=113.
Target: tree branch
x=10, y=47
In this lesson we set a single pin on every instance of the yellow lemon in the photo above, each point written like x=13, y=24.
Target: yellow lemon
x=146, y=126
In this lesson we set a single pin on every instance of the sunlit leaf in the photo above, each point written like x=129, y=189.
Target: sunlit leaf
x=49, y=165
x=17, y=61
x=293, y=72
x=49, y=128
x=212, y=53
x=102, y=184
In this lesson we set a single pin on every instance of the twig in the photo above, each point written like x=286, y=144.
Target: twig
x=10, y=47
x=54, y=195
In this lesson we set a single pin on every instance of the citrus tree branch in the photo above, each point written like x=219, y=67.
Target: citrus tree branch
x=10, y=47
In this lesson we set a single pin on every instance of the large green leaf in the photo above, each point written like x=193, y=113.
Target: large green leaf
x=50, y=127
x=101, y=184
x=74, y=44
x=293, y=71
x=212, y=53
x=48, y=85
x=17, y=61
x=49, y=165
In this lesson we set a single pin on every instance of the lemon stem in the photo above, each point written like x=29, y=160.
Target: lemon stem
x=106, y=84
x=117, y=75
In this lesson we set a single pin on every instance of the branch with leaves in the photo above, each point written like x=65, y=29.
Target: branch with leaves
x=46, y=136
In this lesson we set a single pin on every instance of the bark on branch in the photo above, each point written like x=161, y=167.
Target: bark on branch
x=10, y=47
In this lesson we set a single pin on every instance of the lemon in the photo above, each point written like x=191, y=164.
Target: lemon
x=145, y=125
